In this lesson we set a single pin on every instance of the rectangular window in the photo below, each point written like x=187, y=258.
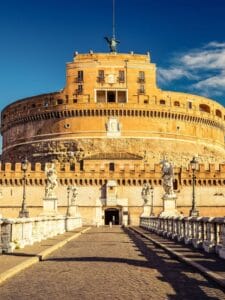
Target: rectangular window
x=111, y=167
x=59, y=101
x=189, y=104
x=122, y=97
x=111, y=96
x=100, y=96
x=121, y=76
x=101, y=76
x=80, y=76
x=80, y=89
x=141, y=89
x=141, y=78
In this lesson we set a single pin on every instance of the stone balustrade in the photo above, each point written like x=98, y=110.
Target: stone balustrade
x=19, y=232
x=200, y=232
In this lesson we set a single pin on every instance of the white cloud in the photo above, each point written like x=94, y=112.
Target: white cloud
x=171, y=74
x=210, y=59
x=205, y=67
x=215, y=45
x=212, y=82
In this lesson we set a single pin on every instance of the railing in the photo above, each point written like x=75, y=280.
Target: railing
x=201, y=232
x=19, y=232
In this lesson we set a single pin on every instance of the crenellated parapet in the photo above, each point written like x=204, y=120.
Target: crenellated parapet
x=125, y=173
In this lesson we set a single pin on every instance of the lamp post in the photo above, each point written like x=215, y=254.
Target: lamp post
x=193, y=212
x=152, y=193
x=24, y=213
x=68, y=199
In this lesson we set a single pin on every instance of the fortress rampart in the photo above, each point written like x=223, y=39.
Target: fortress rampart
x=125, y=173
x=91, y=180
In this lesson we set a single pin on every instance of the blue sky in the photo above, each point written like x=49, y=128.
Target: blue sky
x=185, y=38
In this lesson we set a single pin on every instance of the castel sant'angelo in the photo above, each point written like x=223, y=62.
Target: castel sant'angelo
x=106, y=133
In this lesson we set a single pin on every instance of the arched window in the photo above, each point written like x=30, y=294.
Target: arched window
x=218, y=113
x=204, y=107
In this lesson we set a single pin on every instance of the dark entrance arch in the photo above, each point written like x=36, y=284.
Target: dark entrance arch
x=112, y=215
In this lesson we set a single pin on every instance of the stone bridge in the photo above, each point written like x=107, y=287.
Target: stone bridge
x=147, y=262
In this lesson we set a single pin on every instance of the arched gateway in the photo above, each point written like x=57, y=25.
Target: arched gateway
x=113, y=215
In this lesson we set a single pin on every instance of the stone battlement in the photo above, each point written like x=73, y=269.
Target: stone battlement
x=91, y=173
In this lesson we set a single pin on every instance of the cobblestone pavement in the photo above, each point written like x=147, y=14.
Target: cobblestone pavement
x=110, y=263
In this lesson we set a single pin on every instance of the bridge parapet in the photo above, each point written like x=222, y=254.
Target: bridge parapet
x=201, y=232
x=20, y=232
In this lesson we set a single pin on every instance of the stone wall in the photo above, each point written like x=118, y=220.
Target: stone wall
x=130, y=178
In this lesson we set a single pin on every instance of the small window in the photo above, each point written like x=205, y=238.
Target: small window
x=121, y=76
x=146, y=101
x=111, y=167
x=141, y=89
x=80, y=89
x=218, y=113
x=101, y=76
x=175, y=184
x=141, y=78
x=176, y=103
x=80, y=76
x=189, y=104
x=162, y=102
x=59, y=101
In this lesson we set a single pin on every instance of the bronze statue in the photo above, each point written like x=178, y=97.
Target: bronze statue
x=113, y=42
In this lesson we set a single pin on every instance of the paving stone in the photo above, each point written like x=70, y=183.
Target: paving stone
x=110, y=263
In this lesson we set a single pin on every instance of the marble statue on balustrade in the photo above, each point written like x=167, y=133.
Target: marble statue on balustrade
x=74, y=195
x=50, y=200
x=51, y=182
x=73, y=207
x=169, y=198
x=167, y=178
x=145, y=193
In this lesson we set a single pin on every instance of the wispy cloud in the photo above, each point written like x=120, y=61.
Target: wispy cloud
x=204, y=68
x=173, y=73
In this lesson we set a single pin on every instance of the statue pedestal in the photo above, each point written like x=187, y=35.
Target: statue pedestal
x=50, y=207
x=169, y=206
x=146, y=210
x=73, y=211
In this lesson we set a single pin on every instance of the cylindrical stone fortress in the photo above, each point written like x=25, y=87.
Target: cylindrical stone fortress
x=112, y=107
